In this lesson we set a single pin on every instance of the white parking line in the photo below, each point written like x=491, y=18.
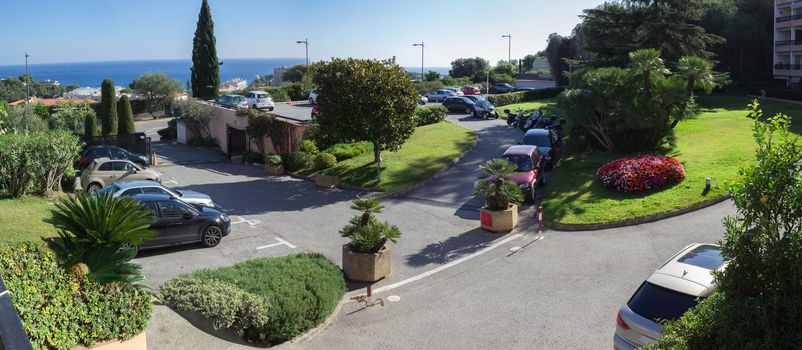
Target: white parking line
x=280, y=242
x=241, y=220
x=172, y=180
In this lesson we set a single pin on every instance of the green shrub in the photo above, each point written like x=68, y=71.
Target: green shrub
x=278, y=94
x=506, y=99
x=368, y=235
x=325, y=160
x=224, y=304
x=308, y=146
x=343, y=151
x=202, y=142
x=35, y=161
x=273, y=159
x=253, y=157
x=299, y=161
x=59, y=310
x=424, y=87
x=300, y=290
x=68, y=179
x=430, y=114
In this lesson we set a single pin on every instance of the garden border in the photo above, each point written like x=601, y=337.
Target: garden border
x=635, y=221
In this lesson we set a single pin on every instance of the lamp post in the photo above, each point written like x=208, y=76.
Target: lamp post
x=509, y=47
x=27, y=81
x=306, y=43
x=421, y=58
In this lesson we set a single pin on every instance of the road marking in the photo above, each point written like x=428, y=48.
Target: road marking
x=446, y=266
x=280, y=242
x=172, y=180
x=241, y=220
x=393, y=298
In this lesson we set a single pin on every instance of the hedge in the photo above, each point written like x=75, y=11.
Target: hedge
x=343, y=151
x=430, y=114
x=300, y=291
x=299, y=161
x=524, y=96
x=60, y=311
x=324, y=161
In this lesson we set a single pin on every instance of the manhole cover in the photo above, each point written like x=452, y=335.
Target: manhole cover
x=515, y=249
x=393, y=298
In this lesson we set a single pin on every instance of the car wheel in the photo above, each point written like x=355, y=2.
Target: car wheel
x=271, y=108
x=468, y=110
x=254, y=107
x=311, y=101
x=211, y=236
x=127, y=246
x=93, y=187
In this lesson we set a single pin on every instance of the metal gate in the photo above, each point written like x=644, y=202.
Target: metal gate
x=237, y=142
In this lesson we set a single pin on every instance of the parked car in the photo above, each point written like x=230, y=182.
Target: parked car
x=475, y=98
x=260, y=100
x=547, y=142
x=112, y=152
x=133, y=188
x=313, y=96
x=456, y=90
x=440, y=95
x=483, y=108
x=502, y=88
x=459, y=103
x=233, y=101
x=180, y=223
x=529, y=174
x=423, y=100
x=523, y=89
x=471, y=90
x=678, y=285
x=102, y=172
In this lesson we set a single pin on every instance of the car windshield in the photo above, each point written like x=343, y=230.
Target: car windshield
x=536, y=140
x=523, y=163
x=109, y=189
x=704, y=256
x=660, y=304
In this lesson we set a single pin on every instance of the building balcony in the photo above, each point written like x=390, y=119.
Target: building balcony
x=788, y=21
x=788, y=66
x=787, y=45
x=788, y=70
x=783, y=2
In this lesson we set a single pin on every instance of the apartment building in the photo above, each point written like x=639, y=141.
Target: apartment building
x=788, y=40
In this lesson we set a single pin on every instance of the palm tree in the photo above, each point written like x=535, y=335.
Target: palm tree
x=101, y=231
x=647, y=62
x=698, y=71
x=367, y=234
x=368, y=207
x=499, y=192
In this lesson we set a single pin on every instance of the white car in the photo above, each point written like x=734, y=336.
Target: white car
x=313, y=96
x=423, y=100
x=457, y=91
x=260, y=100
x=133, y=188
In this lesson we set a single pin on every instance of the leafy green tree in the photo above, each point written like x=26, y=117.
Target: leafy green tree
x=431, y=76
x=528, y=63
x=558, y=51
x=758, y=303
x=699, y=73
x=126, y=125
x=196, y=116
x=108, y=107
x=71, y=117
x=205, y=66
x=646, y=62
x=97, y=232
x=468, y=67
x=295, y=73
x=158, y=89
x=361, y=112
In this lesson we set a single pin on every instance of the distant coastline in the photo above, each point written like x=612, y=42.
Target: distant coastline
x=90, y=74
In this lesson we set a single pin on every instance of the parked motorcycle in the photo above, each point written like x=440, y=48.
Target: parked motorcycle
x=515, y=119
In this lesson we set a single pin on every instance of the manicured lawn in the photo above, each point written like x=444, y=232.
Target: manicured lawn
x=428, y=151
x=21, y=219
x=715, y=144
x=549, y=106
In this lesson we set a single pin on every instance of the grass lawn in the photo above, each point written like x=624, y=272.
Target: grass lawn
x=428, y=151
x=715, y=144
x=549, y=106
x=21, y=219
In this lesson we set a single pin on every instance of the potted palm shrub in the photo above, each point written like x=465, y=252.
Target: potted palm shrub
x=274, y=164
x=367, y=258
x=502, y=196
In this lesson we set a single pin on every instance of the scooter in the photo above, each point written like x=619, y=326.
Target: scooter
x=534, y=119
x=514, y=119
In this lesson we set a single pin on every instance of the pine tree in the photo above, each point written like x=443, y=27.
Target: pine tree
x=89, y=125
x=126, y=114
x=108, y=107
x=205, y=66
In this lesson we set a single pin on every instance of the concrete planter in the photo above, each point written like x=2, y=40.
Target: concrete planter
x=139, y=342
x=274, y=169
x=499, y=221
x=366, y=267
x=326, y=181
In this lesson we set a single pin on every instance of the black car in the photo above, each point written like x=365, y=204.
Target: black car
x=502, y=88
x=547, y=142
x=181, y=223
x=112, y=152
x=524, y=89
x=459, y=103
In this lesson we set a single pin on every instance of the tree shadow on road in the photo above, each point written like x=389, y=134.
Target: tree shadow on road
x=455, y=247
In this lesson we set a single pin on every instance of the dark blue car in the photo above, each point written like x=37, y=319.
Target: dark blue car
x=459, y=103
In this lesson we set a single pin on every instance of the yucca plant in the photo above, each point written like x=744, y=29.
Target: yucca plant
x=100, y=231
x=499, y=192
x=367, y=234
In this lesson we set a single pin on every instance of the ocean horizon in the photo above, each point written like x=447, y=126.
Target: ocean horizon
x=91, y=74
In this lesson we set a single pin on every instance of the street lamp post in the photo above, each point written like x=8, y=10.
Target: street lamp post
x=306, y=43
x=509, y=47
x=27, y=81
x=421, y=58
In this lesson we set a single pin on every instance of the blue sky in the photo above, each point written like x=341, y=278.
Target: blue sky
x=105, y=30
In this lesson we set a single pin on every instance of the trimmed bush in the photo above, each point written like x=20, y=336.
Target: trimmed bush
x=524, y=96
x=299, y=292
x=35, y=161
x=308, y=146
x=59, y=310
x=343, y=151
x=253, y=157
x=224, y=304
x=641, y=173
x=273, y=159
x=325, y=160
x=299, y=161
x=430, y=115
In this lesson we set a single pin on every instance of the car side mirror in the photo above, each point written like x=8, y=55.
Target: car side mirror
x=188, y=216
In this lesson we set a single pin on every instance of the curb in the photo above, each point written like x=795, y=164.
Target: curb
x=636, y=221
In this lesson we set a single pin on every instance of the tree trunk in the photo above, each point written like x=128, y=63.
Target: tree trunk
x=377, y=157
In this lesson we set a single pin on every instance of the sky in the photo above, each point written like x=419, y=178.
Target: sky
x=55, y=31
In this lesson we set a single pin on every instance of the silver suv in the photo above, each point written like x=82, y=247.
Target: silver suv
x=680, y=284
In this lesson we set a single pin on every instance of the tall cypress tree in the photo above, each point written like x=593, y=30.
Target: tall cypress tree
x=89, y=125
x=126, y=114
x=205, y=66
x=108, y=107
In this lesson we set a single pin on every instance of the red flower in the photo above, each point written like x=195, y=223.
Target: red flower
x=641, y=173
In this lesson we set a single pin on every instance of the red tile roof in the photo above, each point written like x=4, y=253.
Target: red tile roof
x=51, y=102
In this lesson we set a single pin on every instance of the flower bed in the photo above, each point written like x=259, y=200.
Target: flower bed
x=641, y=173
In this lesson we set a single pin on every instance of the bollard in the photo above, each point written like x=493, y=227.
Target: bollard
x=539, y=219
x=153, y=159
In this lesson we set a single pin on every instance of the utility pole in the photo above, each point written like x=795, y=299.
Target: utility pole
x=305, y=42
x=509, y=47
x=421, y=58
x=27, y=81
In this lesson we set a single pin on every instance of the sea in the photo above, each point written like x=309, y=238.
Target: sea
x=91, y=74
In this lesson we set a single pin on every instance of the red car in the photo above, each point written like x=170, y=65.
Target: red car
x=471, y=90
x=529, y=174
